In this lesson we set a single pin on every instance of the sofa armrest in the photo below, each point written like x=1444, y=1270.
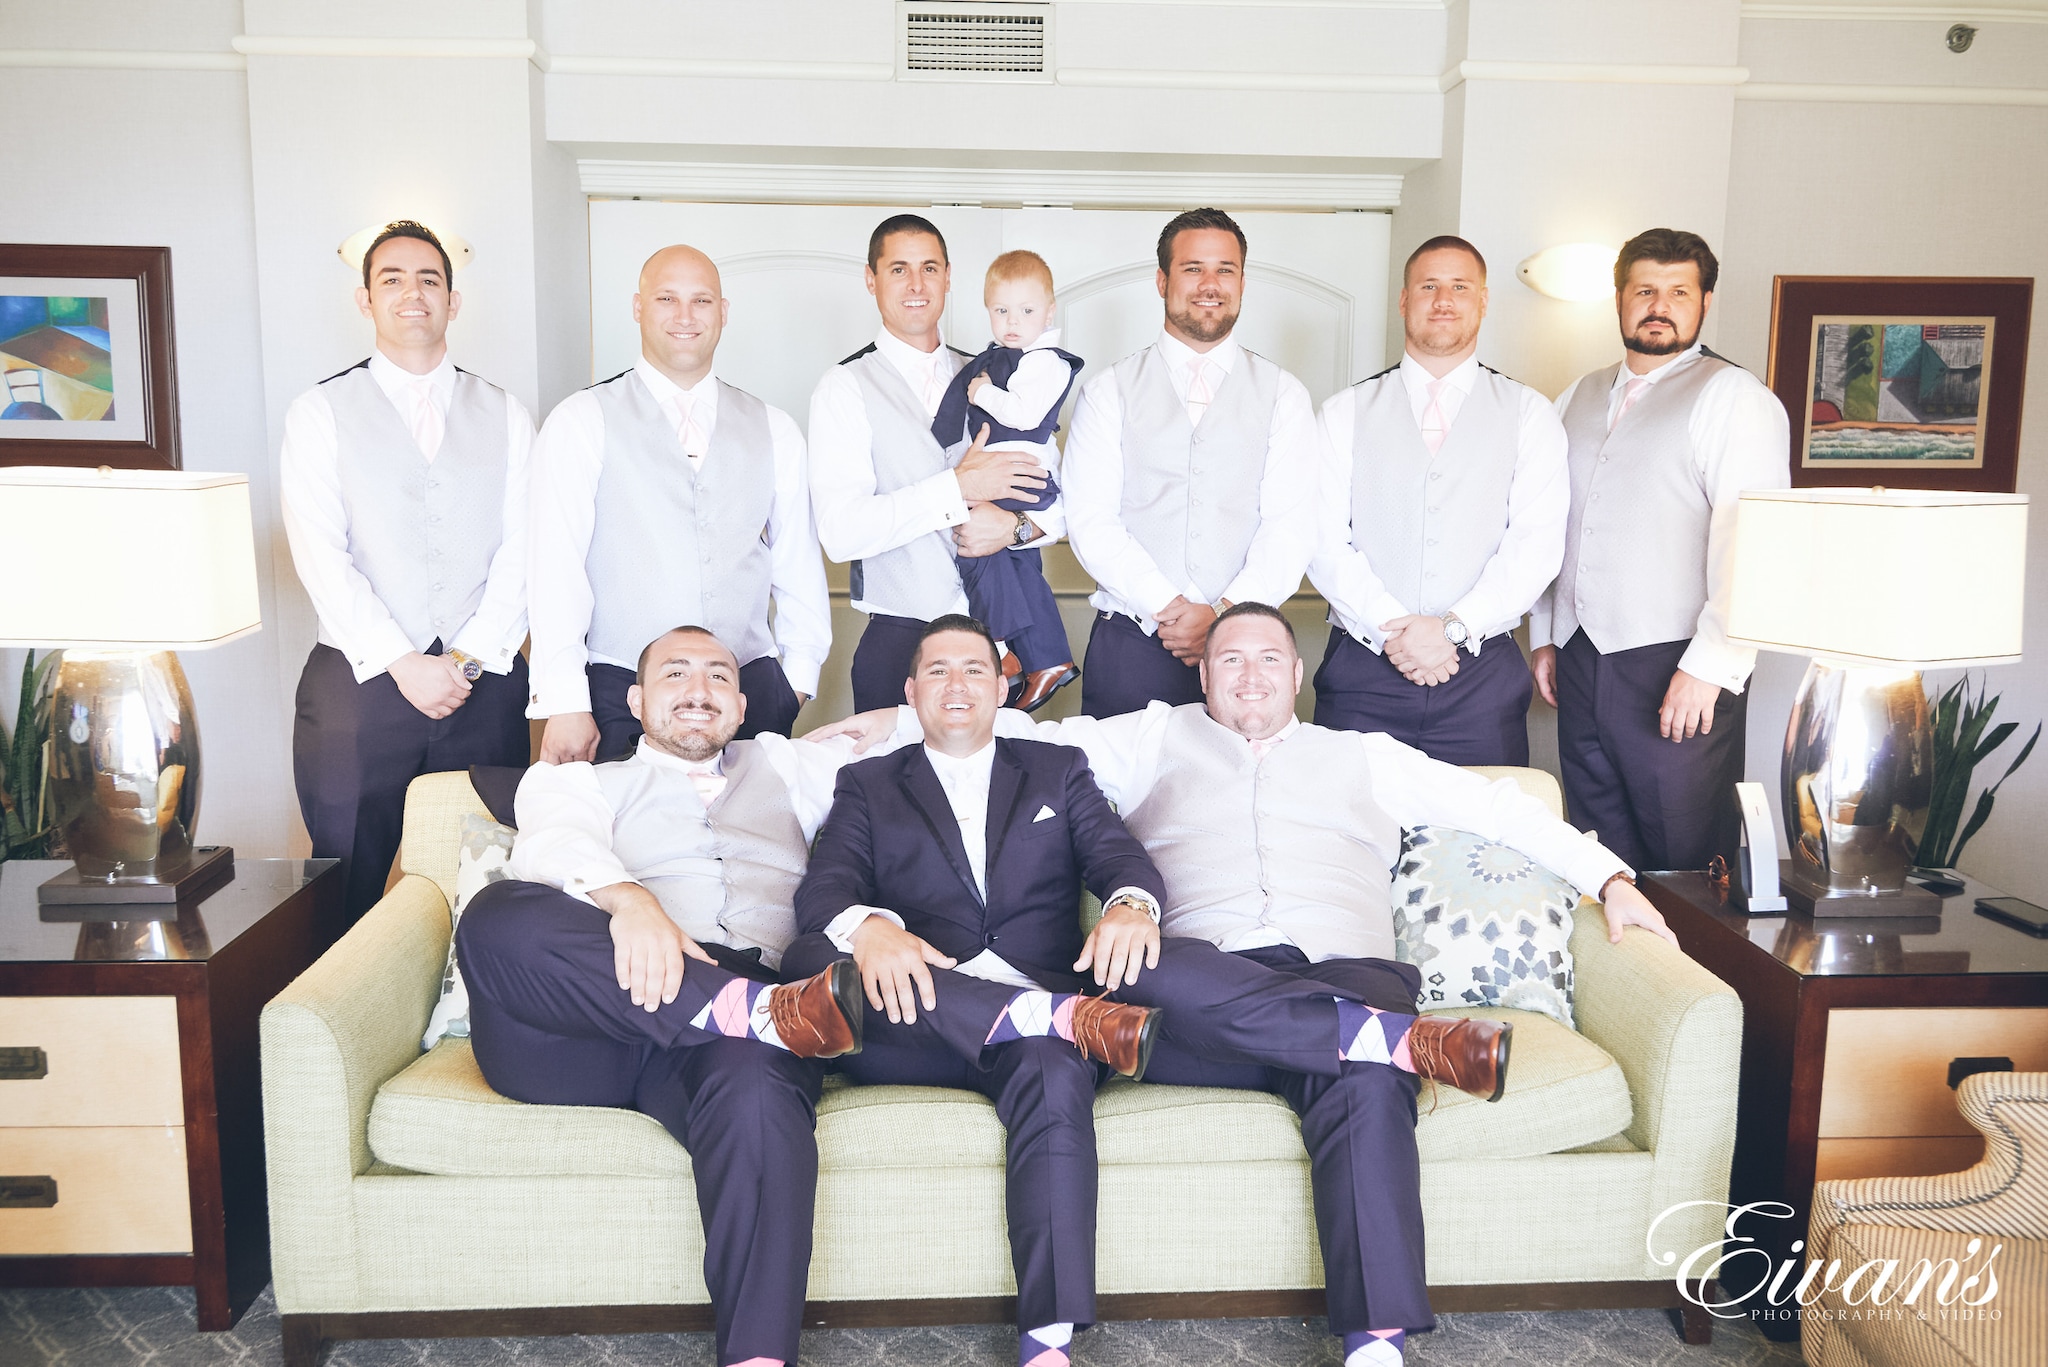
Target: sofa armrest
x=1676, y=1031
x=329, y=1041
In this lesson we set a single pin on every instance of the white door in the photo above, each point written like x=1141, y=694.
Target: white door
x=1315, y=302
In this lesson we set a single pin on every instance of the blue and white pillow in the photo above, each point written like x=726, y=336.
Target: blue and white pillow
x=485, y=858
x=1485, y=924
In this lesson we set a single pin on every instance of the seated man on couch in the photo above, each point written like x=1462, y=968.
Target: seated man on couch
x=629, y=962
x=1277, y=972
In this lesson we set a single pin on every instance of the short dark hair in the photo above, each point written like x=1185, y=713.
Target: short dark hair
x=405, y=227
x=640, y=667
x=1442, y=242
x=1196, y=220
x=952, y=621
x=1251, y=609
x=903, y=223
x=1668, y=246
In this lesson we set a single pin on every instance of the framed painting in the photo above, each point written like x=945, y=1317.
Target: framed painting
x=1911, y=382
x=86, y=355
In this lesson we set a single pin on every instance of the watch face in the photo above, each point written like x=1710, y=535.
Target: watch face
x=472, y=670
x=1456, y=632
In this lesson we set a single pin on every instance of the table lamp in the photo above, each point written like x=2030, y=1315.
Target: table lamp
x=119, y=568
x=1876, y=585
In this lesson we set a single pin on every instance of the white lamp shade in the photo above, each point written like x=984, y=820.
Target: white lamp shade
x=125, y=559
x=1907, y=577
x=352, y=247
x=1573, y=271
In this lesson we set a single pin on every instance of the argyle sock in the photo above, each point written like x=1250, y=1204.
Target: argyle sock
x=1374, y=1348
x=1033, y=1014
x=740, y=1010
x=1045, y=1347
x=1368, y=1035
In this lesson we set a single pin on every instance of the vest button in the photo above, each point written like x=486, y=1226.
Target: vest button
x=1436, y=474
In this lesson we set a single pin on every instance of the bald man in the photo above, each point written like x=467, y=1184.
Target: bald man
x=665, y=495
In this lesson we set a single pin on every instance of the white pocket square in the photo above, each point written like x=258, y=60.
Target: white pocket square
x=1044, y=814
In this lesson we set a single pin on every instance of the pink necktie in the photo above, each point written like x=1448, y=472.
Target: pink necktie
x=1262, y=748
x=428, y=426
x=708, y=783
x=1636, y=385
x=1199, y=393
x=1434, y=428
x=688, y=431
x=935, y=381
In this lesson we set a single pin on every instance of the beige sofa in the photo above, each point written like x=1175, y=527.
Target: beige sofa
x=407, y=1199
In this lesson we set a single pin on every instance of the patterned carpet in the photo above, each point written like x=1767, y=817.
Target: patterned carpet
x=130, y=1328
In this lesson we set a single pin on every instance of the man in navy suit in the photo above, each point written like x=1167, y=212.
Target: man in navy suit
x=951, y=872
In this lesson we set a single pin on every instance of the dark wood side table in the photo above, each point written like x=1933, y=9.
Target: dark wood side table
x=131, y=1126
x=1971, y=985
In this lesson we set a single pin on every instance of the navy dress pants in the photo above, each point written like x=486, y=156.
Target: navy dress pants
x=1657, y=804
x=1044, y=1093
x=550, y=1025
x=772, y=705
x=1008, y=592
x=355, y=747
x=1266, y=1020
x=881, y=662
x=1127, y=669
x=1480, y=715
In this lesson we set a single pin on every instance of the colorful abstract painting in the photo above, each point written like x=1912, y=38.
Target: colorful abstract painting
x=1898, y=391
x=57, y=359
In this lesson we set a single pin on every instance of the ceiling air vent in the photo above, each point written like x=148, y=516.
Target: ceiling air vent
x=974, y=42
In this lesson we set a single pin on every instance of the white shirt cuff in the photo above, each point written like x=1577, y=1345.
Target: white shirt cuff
x=802, y=671
x=840, y=931
x=1723, y=665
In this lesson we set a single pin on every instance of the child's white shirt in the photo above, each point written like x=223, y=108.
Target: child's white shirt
x=1034, y=387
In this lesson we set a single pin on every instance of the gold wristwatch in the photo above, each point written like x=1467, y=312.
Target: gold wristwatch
x=469, y=666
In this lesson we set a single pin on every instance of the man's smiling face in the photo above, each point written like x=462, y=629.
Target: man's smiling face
x=680, y=311
x=956, y=687
x=408, y=297
x=909, y=281
x=1251, y=672
x=688, y=697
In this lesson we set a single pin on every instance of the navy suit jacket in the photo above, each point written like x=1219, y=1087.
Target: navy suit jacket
x=891, y=840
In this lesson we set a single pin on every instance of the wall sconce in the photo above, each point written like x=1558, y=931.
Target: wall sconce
x=1572, y=271
x=352, y=247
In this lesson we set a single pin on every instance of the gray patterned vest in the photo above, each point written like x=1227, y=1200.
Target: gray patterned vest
x=1191, y=494
x=1293, y=841
x=726, y=874
x=423, y=533
x=673, y=544
x=918, y=578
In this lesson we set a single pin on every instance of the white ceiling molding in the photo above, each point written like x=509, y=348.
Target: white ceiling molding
x=274, y=45
x=731, y=182
x=1285, y=81
x=713, y=68
x=115, y=59
x=1893, y=94
x=1593, y=73
x=1925, y=14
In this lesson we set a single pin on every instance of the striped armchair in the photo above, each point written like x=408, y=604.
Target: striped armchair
x=2000, y=1204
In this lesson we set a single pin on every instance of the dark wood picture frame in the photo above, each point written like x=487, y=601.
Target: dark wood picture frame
x=150, y=269
x=1796, y=300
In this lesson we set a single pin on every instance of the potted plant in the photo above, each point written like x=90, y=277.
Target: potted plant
x=25, y=827
x=1961, y=743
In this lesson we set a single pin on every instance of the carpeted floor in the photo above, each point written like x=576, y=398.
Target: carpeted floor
x=131, y=1328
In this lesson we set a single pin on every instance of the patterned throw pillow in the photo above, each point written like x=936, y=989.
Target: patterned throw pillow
x=486, y=853
x=1485, y=924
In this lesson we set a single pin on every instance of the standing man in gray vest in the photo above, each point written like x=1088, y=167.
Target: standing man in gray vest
x=404, y=489
x=665, y=495
x=1190, y=477
x=1631, y=643
x=1446, y=493
x=888, y=497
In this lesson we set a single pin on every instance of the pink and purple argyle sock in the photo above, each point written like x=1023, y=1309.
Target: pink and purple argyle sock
x=1046, y=1347
x=740, y=1011
x=1031, y=1015
x=1374, y=1348
x=1368, y=1035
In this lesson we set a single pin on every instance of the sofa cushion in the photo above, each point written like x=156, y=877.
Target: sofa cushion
x=1959, y=1332
x=440, y=1116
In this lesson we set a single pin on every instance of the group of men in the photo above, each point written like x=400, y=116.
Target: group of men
x=704, y=911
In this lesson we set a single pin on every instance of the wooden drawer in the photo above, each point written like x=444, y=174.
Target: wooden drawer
x=118, y=1190
x=110, y=1061
x=1886, y=1074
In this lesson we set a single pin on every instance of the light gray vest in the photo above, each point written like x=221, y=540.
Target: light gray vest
x=672, y=544
x=423, y=533
x=1191, y=494
x=1635, y=549
x=1293, y=841
x=726, y=874
x=1429, y=525
x=917, y=579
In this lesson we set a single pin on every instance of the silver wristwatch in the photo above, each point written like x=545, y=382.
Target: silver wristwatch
x=1455, y=630
x=1025, y=531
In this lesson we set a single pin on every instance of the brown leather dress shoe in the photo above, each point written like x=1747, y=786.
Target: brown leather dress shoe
x=821, y=1016
x=1471, y=1055
x=1116, y=1033
x=1041, y=684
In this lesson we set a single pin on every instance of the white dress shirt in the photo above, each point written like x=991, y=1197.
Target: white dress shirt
x=1740, y=435
x=1521, y=568
x=352, y=618
x=568, y=462
x=966, y=781
x=565, y=821
x=1091, y=480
